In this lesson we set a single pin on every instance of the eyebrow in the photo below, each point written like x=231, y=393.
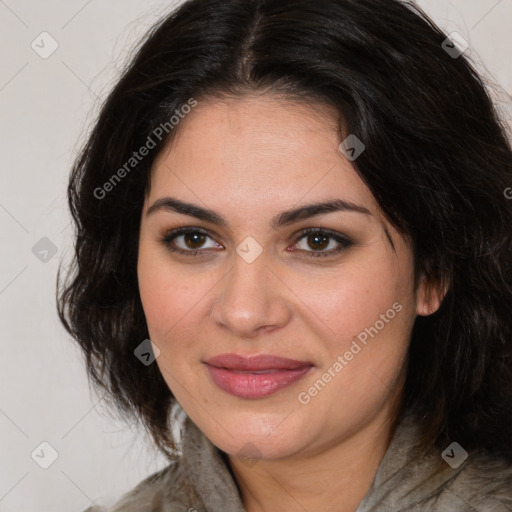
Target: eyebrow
x=282, y=219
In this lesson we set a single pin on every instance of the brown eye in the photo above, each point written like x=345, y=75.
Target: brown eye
x=189, y=240
x=318, y=241
x=194, y=240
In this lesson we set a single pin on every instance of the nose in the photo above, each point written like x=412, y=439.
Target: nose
x=251, y=300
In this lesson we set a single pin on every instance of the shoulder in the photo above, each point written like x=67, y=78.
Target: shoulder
x=484, y=484
x=412, y=478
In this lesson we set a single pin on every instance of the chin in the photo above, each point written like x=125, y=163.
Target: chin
x=257, y=435
x=260, y=448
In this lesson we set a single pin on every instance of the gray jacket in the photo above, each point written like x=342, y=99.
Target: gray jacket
x=200, y=480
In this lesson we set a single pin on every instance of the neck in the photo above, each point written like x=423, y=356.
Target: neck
x=332, y=479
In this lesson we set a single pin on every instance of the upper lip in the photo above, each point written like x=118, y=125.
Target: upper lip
x=259, y=362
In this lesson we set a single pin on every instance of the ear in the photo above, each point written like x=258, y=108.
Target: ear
x=430, y=294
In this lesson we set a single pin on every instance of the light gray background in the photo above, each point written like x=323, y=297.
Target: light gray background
x=47, y=106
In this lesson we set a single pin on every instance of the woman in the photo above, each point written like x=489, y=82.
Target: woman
x=292, y=227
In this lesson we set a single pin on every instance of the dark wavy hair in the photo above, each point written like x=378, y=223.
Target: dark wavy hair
x=437, y=160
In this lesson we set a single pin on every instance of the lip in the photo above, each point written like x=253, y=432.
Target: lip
x=256, y=376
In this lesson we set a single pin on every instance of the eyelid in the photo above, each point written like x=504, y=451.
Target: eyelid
x=343, y=240
x=176, y=232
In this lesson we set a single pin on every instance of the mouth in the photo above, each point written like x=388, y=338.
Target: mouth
x=257, y=376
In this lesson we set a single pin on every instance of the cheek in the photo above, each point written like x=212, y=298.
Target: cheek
x=172, y=297
x=163, y=296
x=364, y=314
x=352, y=298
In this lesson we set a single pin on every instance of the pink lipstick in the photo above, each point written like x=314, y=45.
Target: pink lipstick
x=256, y=376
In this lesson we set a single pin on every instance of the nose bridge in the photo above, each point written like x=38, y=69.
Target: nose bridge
x=251, y=298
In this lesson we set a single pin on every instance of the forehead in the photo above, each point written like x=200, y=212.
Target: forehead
x=257, y=150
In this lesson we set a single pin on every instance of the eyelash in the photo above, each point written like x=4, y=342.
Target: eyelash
x=343, y=241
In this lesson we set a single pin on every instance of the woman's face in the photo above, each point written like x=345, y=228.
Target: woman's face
x=338, y=301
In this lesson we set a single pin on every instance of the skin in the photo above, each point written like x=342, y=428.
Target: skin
x=248, y=159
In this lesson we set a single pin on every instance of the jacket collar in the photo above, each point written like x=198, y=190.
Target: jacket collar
x=405, y=475
x=204, y=465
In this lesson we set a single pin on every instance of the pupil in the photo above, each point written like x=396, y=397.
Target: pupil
x=318, y=241
x=194, y=240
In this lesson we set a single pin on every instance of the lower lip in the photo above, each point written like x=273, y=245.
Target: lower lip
x=255, y=385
